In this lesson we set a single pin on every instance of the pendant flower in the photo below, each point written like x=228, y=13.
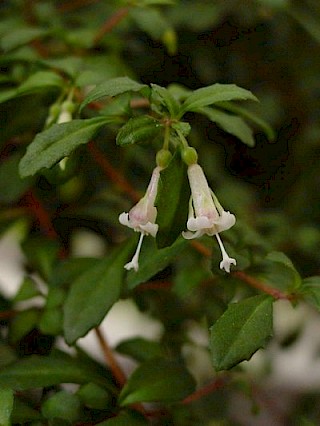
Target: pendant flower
x=142, y=217
x=206, y=215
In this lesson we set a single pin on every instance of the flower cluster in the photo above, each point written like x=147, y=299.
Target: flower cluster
x=206, y=215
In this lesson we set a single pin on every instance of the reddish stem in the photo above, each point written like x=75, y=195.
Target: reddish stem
x=206, y=390
x=253, y=282
x=110, y=359
x=111, y=23
x=40, y=213
x=112, y=173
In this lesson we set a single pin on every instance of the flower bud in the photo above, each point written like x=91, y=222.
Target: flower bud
x=189, y=156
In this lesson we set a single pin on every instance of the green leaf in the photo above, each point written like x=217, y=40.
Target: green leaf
x=62, y=405
x=93, y=294
x=232, y=124
x=40, y=371
x=113, y=87
x=310, y=289
x=22, y=323
x=6, y=405
x=152, y=260
x=41, y=254
x=39, y=81
x=278, y=270
x=19, y=36
x=249, y=115
x=126, y=418
x=94, y=396
x=172, y=202
x=140, y=349
x=245, y=327
x=27, y=290
x=162, y=95
x=157, y=380
x=23, y=413
x=12, y=187
x=151, y=21
x=216, y=93
x=142, y=129
x=57, y=142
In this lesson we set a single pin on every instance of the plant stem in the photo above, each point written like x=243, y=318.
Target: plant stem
x=110, y=359
x=112, y=173
x=206, y=390
x=111, y=23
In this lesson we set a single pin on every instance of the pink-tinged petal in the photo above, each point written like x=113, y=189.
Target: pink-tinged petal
x=188, y=235
x=124, y=219
x=198, y=223
x=226, y=221
x=149, y=228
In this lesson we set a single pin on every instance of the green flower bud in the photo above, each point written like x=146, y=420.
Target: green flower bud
x=189, y=156
x=163, y=158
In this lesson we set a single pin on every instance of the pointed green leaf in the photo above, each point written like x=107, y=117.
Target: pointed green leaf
x=245, y=327
x=157, y=380
x=140, y=349
x=6, y=405
x=162, y=95
x=40, y=371
x=216, y=93
x=172, y=202
x=57, y=142
x=93, y=294
x=39, y=81
x=113, y=87
x=141, y=129
x=249, y=115
x=126, y=418
x=232, y=124
x=20, y=36
x=152, y=260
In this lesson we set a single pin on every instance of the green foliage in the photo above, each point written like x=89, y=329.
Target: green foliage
x=157, y=380
x=93, y=96
x=244, y=328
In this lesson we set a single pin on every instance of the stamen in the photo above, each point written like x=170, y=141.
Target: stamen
x=226, y=260
x=134, y=264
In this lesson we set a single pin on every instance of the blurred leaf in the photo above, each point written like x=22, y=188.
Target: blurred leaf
x=51, y=321
x=113, y=87
x=94, y=293
x=140, y=349
x=22, y=323
x=68, y=270
x=249, y=115
x=19, y=36
x=62, y=405
x=41, y=254
x=39, y=81
x=59, y=141
x=216, y=93
x=152, y=260
x=277, y=270
x=236, y=126
x=40, y=371
x=142, y=129
x=157, y=380
x=245, y=327
x=27, y=290
x=125, y=418
x=12, y=187
x=6, y=405
x=310, y=289
x=94, y=396
x=7, y=355
x=172, y=202
x=151, y=21
x=23, y=413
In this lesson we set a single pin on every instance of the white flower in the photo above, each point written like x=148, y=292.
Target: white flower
x=206, y=215
x=142, y=217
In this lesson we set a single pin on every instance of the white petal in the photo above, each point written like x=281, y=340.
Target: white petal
x=124, y=219
x=198, y=223
x=226, y=221
x=188, y=235
x=149, y=228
